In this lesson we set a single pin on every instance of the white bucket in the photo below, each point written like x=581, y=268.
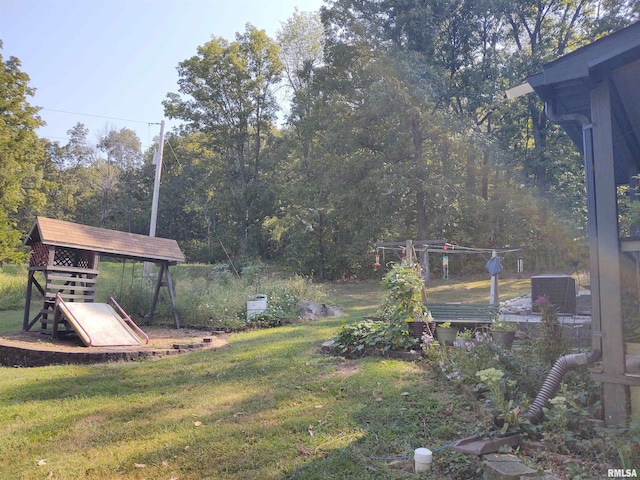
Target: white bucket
x=256, y=306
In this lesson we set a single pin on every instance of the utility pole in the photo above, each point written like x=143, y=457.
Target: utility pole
x=156, y=192
x=156, y=184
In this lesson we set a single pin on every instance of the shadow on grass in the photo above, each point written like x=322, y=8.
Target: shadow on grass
x=269, y=406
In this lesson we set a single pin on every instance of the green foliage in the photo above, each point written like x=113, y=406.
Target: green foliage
x=355, y=339
x=210, y=296
x=549, y=342
x=494, y=380
x=503, y=325
x=21, y=153
x=229, y=89
x=510, y=379
x=396, y=128
x=403, y=286
x=273, y=316
x=13, y=280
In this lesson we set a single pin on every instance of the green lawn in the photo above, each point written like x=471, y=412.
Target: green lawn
x=270, y=406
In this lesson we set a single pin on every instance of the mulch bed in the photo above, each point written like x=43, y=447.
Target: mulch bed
x=32, y=349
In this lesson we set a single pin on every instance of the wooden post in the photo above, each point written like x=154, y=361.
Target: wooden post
x=494, y=295
x=174, y=308
x=27, y=302
x=164, y=278
x=409, y=249
x=607, y=261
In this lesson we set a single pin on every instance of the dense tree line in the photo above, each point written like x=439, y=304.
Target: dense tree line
x=365, y=122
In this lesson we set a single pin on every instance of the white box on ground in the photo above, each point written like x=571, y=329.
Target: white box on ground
x=256, y=306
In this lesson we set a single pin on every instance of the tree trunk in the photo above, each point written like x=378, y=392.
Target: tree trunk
x=485, y=166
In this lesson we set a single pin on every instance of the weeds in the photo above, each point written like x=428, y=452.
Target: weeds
x=210, y=297
x=13, y=284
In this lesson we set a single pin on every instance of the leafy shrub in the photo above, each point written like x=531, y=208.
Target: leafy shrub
x=403, y=287
x=356, y=338
x=273, y=316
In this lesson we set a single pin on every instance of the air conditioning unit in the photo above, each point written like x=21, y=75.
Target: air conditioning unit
x=559, y=289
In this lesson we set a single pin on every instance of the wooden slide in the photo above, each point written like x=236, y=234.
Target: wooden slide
x=98, y=324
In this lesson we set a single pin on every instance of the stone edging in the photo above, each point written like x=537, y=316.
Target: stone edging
x=24, y=356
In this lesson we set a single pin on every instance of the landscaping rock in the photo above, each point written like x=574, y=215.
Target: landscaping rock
x=506, y=467
x=314, y=310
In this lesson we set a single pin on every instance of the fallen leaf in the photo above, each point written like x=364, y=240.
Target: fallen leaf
x=165, y=463
x=303, y=451
x=41, y=462
x=187, y=447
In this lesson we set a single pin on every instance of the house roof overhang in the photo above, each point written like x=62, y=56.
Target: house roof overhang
x=565, y=85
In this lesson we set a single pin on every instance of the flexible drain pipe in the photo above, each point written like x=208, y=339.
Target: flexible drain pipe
x=553, y=380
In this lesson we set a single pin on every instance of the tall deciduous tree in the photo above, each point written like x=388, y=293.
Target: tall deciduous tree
x=229, y=97
x=65, y=167
x=20, y=152
x=124, y=156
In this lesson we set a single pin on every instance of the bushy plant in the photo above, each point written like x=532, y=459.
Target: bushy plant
x=403, y=303
x=505, y=415
x=383, y=336
x=403, y=288
x=549, y=343
x=273, y=316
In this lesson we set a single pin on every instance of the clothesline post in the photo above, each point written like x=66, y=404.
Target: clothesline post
x=494, y=296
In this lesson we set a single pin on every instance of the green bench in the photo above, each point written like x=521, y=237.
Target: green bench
x=463, y=314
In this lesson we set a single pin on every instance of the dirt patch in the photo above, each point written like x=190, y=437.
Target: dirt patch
x=346, y=369
x=342, y=369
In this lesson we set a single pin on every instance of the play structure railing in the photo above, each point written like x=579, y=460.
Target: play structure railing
x=127, y=319
x=61, y=303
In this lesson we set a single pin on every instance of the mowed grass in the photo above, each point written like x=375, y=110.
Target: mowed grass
x=269, y=406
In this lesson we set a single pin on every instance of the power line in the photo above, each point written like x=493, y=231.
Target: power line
x=174, y=153
x=100, y=116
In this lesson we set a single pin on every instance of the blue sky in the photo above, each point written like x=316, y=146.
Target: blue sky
x=118, y=58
